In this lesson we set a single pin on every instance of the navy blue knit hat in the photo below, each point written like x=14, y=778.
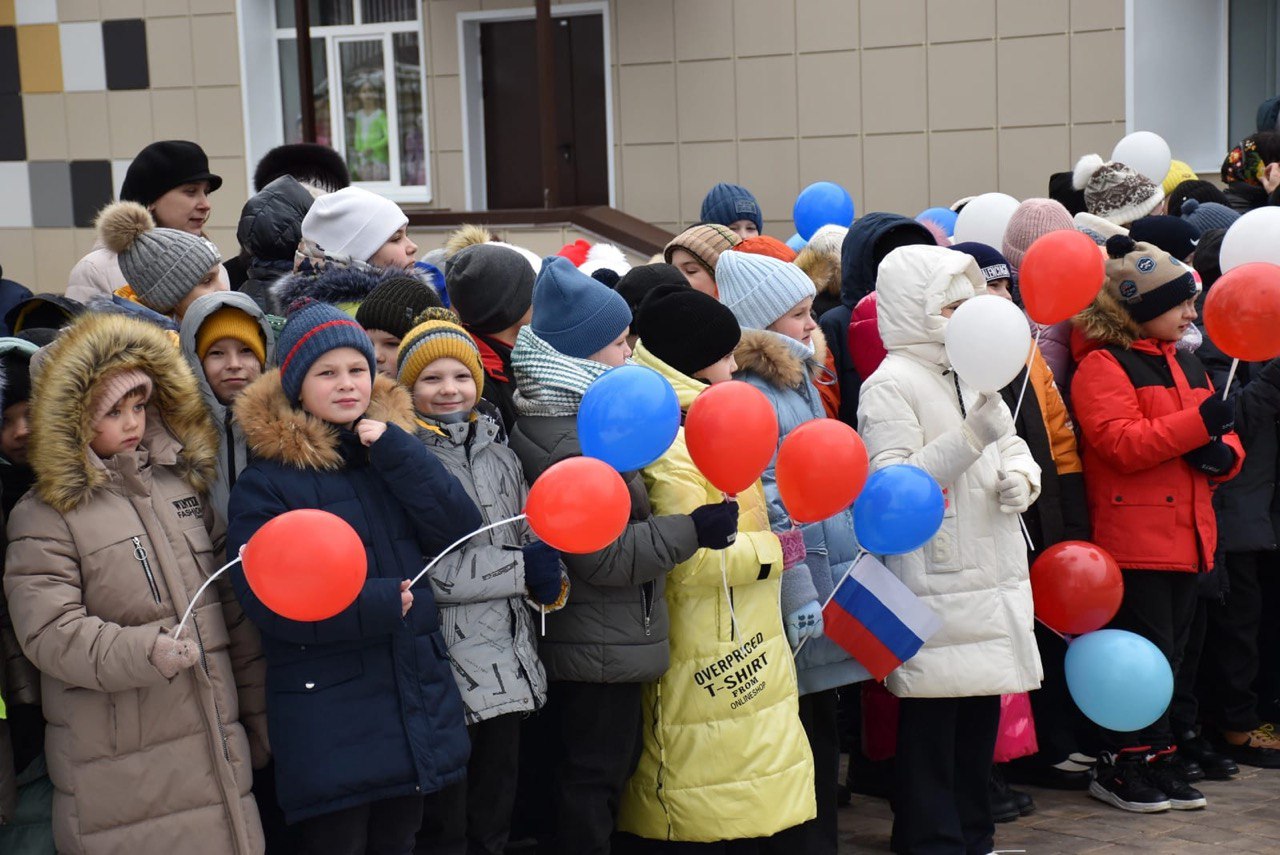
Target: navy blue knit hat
x=990, y=260
x=728, y=203
x=1174, y=235
x=574, y=313
x=310, y=332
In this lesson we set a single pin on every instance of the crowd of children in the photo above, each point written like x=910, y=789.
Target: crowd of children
x=172, y=403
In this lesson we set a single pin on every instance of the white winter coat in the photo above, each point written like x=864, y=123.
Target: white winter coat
x=973, y=573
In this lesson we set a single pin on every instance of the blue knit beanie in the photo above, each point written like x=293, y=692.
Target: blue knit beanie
x=991, y=262
x=311, y=332
x=728, y=203
x=574, y=313
x=759, y=289
x=1206, y=216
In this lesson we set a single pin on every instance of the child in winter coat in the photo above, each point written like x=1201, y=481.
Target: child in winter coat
x=914, y=409
x=696, y=251
x=481, y=587
x=781, y=354
x=700, y=717
x=145, y=746
x=363, y=712
x=1156, y=438
x=390, y=311
x=611, y=638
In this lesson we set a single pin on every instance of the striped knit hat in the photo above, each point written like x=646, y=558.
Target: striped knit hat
x=311, y=331
x=704, y=242
x=436, y=336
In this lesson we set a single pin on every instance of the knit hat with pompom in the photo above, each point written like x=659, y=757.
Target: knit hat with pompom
x=1145, y=279
x=1115, y=192
x=437, y=335
x=161, y=265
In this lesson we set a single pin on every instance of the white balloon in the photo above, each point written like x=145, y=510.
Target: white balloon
x=988, y=342
x=1145, y=153
x=1253, y=237
x=984, y=219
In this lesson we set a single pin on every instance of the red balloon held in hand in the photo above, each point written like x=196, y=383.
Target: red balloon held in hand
x=1242, y=312
x=1077, y=587
x=306, y=564
x=1060, y=275
x=578, y=505
x=821, y=468
x=732, y=434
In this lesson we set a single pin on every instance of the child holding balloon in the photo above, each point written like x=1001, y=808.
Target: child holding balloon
x=363, y=711
x=1155, y=440
x=146, y=751
x=481, y=587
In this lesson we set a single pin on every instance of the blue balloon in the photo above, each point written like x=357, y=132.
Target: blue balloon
x=796, y=243
x=1119, y=679
x=899, y=509
x=822, y=204
x=944, y=217
x=628, y=418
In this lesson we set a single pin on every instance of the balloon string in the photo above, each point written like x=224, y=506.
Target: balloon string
x=1065, y=638
x=1026, y=375
x=460, y=541
x=728, y=597
x=1026, y=533
x=207, y=582
x=856, y=558
x=1235, y=363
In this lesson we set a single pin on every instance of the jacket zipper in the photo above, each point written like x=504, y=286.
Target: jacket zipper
x=217, y=707
x=959, y=397
x=231, y=448
x=140, y=553
x=659, y=779
x=646, y=596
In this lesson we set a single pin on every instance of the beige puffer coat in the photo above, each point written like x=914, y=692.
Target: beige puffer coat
x=102, y=555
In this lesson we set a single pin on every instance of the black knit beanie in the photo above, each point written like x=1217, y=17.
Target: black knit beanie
x=1201, y=191
x=1062, y=190
x=685, y=328
x=1207, y=261
x=490, y=287
x=639, y=281
x=17, y=374
x=392, y=306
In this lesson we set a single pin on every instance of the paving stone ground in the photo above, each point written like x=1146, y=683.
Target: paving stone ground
x=1243, y=816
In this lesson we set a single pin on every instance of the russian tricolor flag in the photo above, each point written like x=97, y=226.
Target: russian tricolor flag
x=876, y=618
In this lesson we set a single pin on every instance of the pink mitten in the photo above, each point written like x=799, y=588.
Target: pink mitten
x=793, y=548
x=170, y=655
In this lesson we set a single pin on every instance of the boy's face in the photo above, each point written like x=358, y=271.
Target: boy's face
x=397, y=253
x=445, y=386
x=1172, y=325
x=797, y=323
x=385, y=346
x=338, y=386
x=694, y=273
x=718, y=371
x=185, y=208
x=230, y=365
x=1000, y=288
x=744, y=229
x=15, y=432
x=210, y=284
x=122, y=427
x=615, y=353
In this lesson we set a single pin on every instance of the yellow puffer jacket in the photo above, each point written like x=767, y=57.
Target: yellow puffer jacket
x=724, y=755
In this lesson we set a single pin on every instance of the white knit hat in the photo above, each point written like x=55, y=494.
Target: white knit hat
x=352, y=222
x=759, y=289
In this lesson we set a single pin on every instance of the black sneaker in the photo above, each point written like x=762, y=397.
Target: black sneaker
x=1259, y=747
x=1120, y=780
x=1215, y=765
x=1162, y=772
x=1004, y=804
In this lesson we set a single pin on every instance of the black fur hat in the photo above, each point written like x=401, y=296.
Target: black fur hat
x=310, y=163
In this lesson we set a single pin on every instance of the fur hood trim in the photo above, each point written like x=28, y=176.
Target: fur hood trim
x=765, y=353
x=333, y=285
x=93, y=347
x=1104, y=322
x=821, y=267
x=467, y=235
x=274, y=430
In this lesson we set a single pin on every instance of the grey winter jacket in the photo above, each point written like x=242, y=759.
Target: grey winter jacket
x=232, y=453
x=480, y=586
x=614, y=627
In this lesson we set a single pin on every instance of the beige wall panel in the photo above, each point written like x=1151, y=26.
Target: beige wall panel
x=888, y=23
x=828, y=93
x=1034, y=81
x=769, y=169
x=212, y=7
x=1094, y=139
x=122, y=9
x=1096, y=15
x=645, y=31
x=1097, y=76
x=962, y=85
x=446, y=113
x=648, y=103
x=219, y=120
x=448, y=182
x=1032, y=17
x=45, y=118
x=169, y=52
x=87, y=125
x=766, y=97
x=173, y=113
x=131, y=128
x=1028, y=156
x=55, y=254
x=649, y=182
x=705, y=95
x=893, y=167
x=826, y=25
x=216, y=50
x=702, y=165
x=894, y=90
x=78, y=10
x=837, y=159
x=764, y=27
x=703, y=28
x=442, y=25
x=961, y=163
x=961, y=20
x=163, y=8
x=233, y=193
x=224, y=238
x=19, y=254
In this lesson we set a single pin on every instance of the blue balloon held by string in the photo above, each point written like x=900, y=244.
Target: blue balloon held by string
x=899, y=510
x=822, y=204
x=1119, y=679
x=628, y=417
x=944, y=217
x=796, y=243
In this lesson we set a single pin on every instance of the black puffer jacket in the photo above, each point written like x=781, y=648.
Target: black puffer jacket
x=269, y=231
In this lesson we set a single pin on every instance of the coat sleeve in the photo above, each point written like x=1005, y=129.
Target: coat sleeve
x=1113, y=423
x=375, y=612
x=88, y=278
x=43, y=583
x=1015, y=456
x=1256, y=398
x=438, y=506
x=798, y=587
x=1057, y=421
x=478, y=574
x=646, y=550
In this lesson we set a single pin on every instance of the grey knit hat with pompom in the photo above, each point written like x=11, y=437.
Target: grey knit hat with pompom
x=161, y=265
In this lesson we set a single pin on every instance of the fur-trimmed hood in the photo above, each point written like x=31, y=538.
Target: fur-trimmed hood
x=275, y=430
x=767, y=354
x=1104, y=322
x=179, y=431
x=823, y=268
x=333, y=285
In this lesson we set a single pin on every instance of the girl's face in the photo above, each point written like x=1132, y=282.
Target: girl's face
x=694, y=273
x=797, y=323
x=615, y=353
x=385, y=346
x=949, y=310
x=212, y=282
x=185, y=207
x=338, y=386
x=445, y=386
x=718, y=371
x=1171, y=325
x=744, y=229
x=397, y=253
x=122, y=427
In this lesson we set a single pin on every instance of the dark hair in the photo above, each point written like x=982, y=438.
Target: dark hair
x=1268, y=145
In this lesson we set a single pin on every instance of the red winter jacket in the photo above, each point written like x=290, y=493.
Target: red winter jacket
x=865, y=346
x=1149, y=508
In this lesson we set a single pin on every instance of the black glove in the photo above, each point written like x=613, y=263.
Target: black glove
x=1212, y=458
x=716, y=525
x=1219, y=416
x=541, y=572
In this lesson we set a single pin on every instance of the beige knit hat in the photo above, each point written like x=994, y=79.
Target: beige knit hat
x=704, y=242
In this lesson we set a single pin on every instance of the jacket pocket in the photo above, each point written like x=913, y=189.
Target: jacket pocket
x=318, y=674
x=944, y=548
x=126, y=722
x=1146, y=507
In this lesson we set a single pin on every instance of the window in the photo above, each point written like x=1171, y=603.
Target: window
x=367, y=71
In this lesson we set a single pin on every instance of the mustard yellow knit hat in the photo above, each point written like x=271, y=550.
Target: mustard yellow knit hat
x=437, y=335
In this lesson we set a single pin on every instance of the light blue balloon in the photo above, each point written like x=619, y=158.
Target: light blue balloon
x=822, y=204
x=899, y=510
x=628, y=417
x=944, y=217
x=796, y=243
x=1119, y=679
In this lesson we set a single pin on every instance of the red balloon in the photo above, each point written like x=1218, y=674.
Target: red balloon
x=578, y=505
x=1061, y=273
x=1242, y=312
x=306, y=564
x=821, y=468
x=732, y=434
x=1077, y=587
